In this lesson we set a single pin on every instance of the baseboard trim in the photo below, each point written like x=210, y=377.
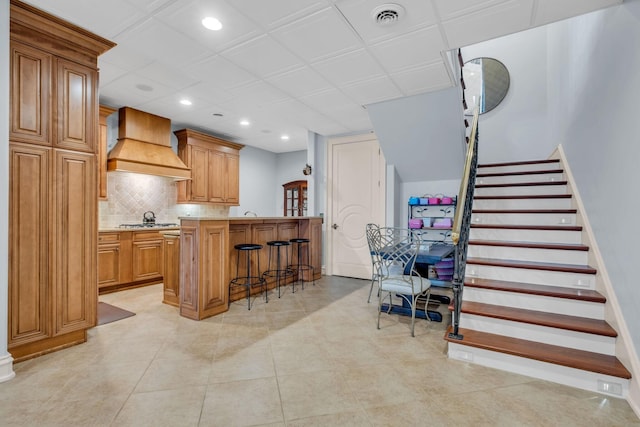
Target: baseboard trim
x=6, y=368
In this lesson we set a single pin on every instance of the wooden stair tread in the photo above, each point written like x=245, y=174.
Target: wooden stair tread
x=578, y=359
x=525, y=162
x=540, y=318
x=533, y=245
x=521, y=184
x=525, y=211
x=524, y=196
x=529, y=227
x=533, y=265
x=534, y=289
x=519, y=173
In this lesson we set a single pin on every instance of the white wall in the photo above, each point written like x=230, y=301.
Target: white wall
x=6, y=368
x=593, y=96
x=258, y=183
x=517, y=127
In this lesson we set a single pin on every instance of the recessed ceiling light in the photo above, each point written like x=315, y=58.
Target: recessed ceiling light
x=185, y=102
x=284, y=137
x=244, y=122
x=211, y=23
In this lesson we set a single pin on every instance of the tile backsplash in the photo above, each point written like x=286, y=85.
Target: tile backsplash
x=131, y=194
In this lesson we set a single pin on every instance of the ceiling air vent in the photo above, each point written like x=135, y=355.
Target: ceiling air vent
x=387, y=14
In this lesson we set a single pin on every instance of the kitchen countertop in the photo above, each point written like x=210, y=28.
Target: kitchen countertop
x=248, y=218
x=116, y=228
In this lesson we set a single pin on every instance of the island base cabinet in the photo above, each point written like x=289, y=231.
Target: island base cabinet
x=204, y=275
x=171, y=273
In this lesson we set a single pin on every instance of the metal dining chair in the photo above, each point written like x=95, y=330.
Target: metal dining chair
x=397, y=252
x=372, y=232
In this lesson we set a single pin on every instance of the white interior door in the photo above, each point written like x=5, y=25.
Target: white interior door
x=356, y=197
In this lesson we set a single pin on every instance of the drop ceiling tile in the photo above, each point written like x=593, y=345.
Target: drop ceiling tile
x=262, y=56
x=220, y=72
x=550, y=11
x=151, y=5
x=256, y=96
x=448, y=9
x=186, y=18
x=413, y=14
x=273, y=13
x=106, y=19
x=209, y=91
x=155, y=39
x=299, y=82
x=110, y=72
x=417, y=48
x=167, y=75
x=506, y=18
x=329, y=100
x=371, y=91
x=125, y=90
x=125, y=58
x=318, y=36
x=423, y=79
x=350, y=67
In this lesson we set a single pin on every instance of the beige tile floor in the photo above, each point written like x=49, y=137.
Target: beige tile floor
x=313, y=358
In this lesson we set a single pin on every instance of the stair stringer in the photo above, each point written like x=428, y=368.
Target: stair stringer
x=624, y=349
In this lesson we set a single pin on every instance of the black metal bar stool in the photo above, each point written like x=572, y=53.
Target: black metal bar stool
x=301, y=267
x=248, y=281
x=281, y=270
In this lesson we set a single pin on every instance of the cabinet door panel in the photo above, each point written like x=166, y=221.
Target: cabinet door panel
x=29, y=283
x=147, y=260
x=199, y=174
x=77, y=124
x=30, y=113
x=75, y=235
x=217, y=177
x=233, y=179
x=171, y=272
x=214, y=277
x=108, y=264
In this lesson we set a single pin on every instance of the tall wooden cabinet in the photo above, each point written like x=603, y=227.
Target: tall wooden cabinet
x=53, y=181
x=215, y=169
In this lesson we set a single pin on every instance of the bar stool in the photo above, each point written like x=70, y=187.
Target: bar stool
x=301, y=267
x=280, y=271
x=248, y=281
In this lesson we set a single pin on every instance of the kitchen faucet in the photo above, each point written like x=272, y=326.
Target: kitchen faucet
x=250, y=213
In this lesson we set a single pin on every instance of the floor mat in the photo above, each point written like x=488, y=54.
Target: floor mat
x=108, y=313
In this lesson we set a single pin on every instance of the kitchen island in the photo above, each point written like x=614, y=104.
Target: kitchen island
x=208, y=258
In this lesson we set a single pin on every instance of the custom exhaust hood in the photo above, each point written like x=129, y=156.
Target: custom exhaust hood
x=144, y=146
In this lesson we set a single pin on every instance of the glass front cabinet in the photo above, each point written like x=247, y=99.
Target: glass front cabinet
x=295, y=198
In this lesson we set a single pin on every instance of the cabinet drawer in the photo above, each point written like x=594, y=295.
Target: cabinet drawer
x=108, y=237
x=147, y=235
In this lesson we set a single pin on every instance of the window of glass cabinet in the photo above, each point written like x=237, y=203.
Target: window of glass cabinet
x=295, y=198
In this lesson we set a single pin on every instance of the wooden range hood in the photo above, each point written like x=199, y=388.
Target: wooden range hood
x=144, y=146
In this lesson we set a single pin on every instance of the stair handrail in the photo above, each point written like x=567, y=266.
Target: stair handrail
x=462, y=223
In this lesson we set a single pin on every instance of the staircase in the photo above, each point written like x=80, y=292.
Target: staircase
x=529, y=301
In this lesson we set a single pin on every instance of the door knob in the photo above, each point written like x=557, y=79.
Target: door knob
x=334, y=226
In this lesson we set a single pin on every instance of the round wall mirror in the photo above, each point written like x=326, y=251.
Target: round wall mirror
x=486, y=79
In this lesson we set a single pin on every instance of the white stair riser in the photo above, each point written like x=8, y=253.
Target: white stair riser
x=577, y=378
x=510, y=235
x=521, y=190
x=543, y=334
x=520, y=168
x=572, y=307
x=524, y=218
x=546, y=177
x=527, y=275
x=528, y=254
x=522, y=204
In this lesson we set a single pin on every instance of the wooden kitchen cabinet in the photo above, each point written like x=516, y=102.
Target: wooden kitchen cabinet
x=105, y=112
x=147, y=256
x=109, y=259
x=53, y=182
x=295, y=198
x=171, y=269
x=215, y=169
